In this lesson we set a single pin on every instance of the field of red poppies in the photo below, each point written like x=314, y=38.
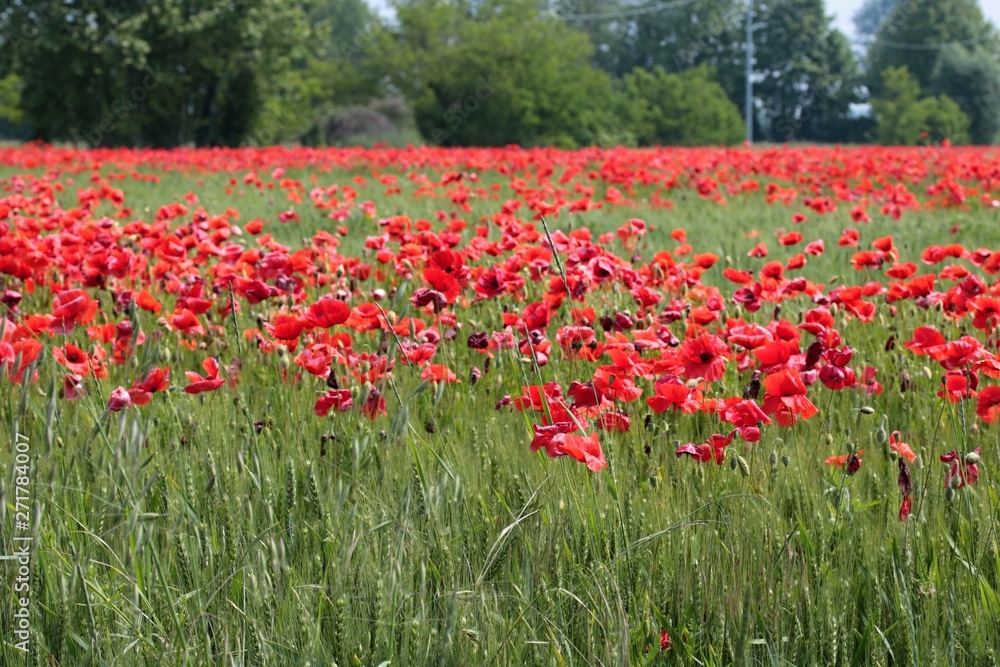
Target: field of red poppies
x=501, y=406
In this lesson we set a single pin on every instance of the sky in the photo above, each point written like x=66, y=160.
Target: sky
x=843, y=10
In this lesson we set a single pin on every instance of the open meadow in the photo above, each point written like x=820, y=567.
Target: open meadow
x=288, y=406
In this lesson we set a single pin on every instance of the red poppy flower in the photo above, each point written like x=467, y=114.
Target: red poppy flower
x=585, y=449
x=962, y=471
x=704, y=357
x=612, y=382
x=785, y=398
x=988, y=405
x=72, y=358
x=900, y=447
x=119, y=400
x=70, y=308
x=551, y=437
x=328, y=312
x=439, y=373
x=157, y=379
x=339, y=399
x=210, y=382
x=674, y=395
x=614, y=421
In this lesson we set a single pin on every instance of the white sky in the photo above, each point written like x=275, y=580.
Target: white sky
x=843, y=10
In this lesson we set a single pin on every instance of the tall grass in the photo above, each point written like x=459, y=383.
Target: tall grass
x=235, y=528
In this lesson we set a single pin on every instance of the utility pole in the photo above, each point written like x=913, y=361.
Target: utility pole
x=749, y=106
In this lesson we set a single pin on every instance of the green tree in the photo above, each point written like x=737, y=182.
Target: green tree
x=339, y=72
x=678, y=38
x=906, y=119
x=869, y=17
x=971, y=77
x=495, y=73
x=807, y=77
x=161, y=73
x=10, y=99
x=916, y=32
x=686, y=109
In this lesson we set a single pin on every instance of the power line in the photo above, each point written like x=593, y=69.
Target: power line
x=625, y=13
x=923, y=47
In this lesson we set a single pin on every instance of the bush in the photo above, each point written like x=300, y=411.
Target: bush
x=686, y=109
x=503, y=73
x=906, y=119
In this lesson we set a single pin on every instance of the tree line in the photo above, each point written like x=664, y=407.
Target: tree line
x=493, y=72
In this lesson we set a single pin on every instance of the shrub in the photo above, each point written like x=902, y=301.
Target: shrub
x=906, y=119
x=686, y=109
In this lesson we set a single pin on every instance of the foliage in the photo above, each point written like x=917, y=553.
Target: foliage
x=916, y=31
x=501, y=73
x=687, y=109
x=906, y=119
x=869, y=17
x=10, y=99
x=971, y=77
x=807, y=75
x=166, y=74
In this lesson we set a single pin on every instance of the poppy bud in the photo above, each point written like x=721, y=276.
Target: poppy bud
x=785, y=460
x=165, y=355
x=867, y=410
x=829, y=438
x=949, y=494
x=733, y=463
x=773, y=460
x=744, y=466
x=881, y=436
x=851, y=447
x=972, y=458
